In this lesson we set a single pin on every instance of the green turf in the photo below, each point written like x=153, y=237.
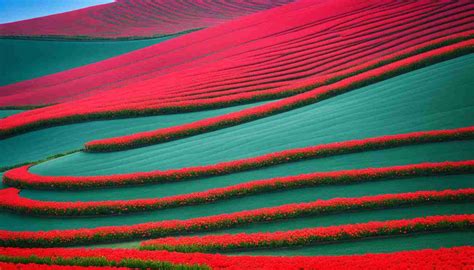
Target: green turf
x=5, y=113
x=436, y=97
x=42, y=143
x=434, y=152
x=28, y=59
x=19, y=222
x=376, y=245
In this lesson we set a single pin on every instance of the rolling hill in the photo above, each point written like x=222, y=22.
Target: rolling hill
x=305, y=135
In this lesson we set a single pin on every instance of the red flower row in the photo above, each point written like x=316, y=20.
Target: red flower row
x=311, y=236
x=93, y=108
x=222, y=221
x=45, y=266
x=453, y=258
x=22, y=178
x=10, y=199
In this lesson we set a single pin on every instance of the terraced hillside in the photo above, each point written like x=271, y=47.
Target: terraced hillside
x=340, y=139
x=223, y=67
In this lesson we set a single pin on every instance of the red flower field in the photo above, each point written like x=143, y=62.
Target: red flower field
x=136, y=18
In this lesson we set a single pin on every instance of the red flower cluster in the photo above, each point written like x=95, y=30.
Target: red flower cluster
x=22, y=178
x=170, y=227
x=304, y=237
x=444, y=258
x=35, y=266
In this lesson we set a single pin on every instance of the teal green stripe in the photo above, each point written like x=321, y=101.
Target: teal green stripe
x=43, y=143
x=28, y=59
x=336, y=219
x=435, y=152
x=436, y=97
x=19, y=223
x=5, y=113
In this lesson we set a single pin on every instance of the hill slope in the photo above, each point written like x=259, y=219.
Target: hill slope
x=248, y=59
x=136, y=19
x=341, y=128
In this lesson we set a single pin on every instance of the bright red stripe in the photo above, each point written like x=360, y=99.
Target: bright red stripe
x=444, y=258
x=10, y=199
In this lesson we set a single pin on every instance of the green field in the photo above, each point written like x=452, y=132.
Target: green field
x=28, y=59
x=37, y=145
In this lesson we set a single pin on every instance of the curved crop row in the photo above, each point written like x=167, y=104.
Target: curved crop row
x=300, y=100
x=456, y=258
x=10, y=199
x=22, y=178
x=222, y=221
x=304, y=237
x=248, y=65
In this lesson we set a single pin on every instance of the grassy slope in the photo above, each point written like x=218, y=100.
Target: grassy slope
x=38, y=144
x=420, y=100
x=5, y=113
x=28, y=59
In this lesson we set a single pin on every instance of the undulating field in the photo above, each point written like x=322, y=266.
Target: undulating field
x=134, y=19
x=284, y=135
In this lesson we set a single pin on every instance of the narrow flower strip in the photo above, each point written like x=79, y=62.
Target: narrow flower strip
x=97, y=262
x=224, y=221
x=20, y=177
x=362, y=78
x=443, y=258
x=10, y=200
x=304, y=237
